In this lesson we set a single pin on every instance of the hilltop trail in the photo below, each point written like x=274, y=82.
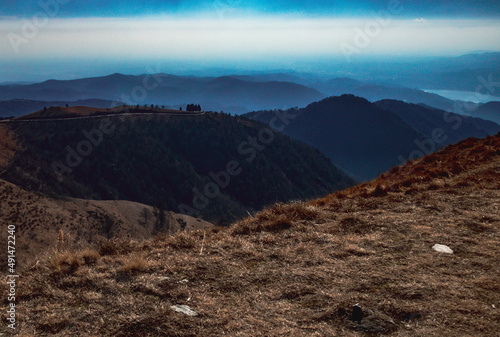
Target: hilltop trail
x=76, y=112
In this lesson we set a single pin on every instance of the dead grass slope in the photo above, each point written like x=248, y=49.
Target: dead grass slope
x=434, y=169
x=295, y=269
x=38, y=220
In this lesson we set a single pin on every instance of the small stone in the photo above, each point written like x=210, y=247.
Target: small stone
x=442, y=249
x=370, y=321
x=357, y=313
x=184, y=309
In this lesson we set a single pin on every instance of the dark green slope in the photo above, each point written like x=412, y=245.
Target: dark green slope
x=427, y=120
x=367, y=139
x=173, y=162
x=354, y=133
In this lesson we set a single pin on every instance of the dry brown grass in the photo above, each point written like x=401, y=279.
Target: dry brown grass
x=64, y=263
x=261, y=278
x=276, y=218
x=183, y=240
x=90, y=256
x=134, y=264
x=43, y=223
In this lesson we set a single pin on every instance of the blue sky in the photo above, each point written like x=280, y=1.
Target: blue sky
x=76, y=38
x=359, y=8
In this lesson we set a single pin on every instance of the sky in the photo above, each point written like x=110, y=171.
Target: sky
x=133, y=8
x=75, y=38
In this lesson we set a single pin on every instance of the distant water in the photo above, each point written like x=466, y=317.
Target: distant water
x=467, y=96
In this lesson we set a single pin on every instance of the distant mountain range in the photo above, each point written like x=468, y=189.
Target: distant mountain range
x=221, y=93
x=464, y=73
x=489, y=111
x=426, y=120
x=236, y=94
x=211, y=165
x=376, y=92
x=367, y=139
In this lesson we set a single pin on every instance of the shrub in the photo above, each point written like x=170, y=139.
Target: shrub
x=133, y=265
x=66, y=263
x=379, y=192
x=114, y=247
x=90, y=256
x=182, y=240
x=276, y=218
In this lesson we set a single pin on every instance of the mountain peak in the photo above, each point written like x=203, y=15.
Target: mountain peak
x=342, y=100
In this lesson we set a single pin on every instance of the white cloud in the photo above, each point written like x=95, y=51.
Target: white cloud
x=258, y=38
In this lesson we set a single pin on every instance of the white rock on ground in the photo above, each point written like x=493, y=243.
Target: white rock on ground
x=184, y=309
x=442, y=249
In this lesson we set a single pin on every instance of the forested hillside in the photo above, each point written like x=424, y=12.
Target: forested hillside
x=178, y=163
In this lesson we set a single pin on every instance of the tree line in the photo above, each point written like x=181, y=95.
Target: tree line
x=193, y=107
